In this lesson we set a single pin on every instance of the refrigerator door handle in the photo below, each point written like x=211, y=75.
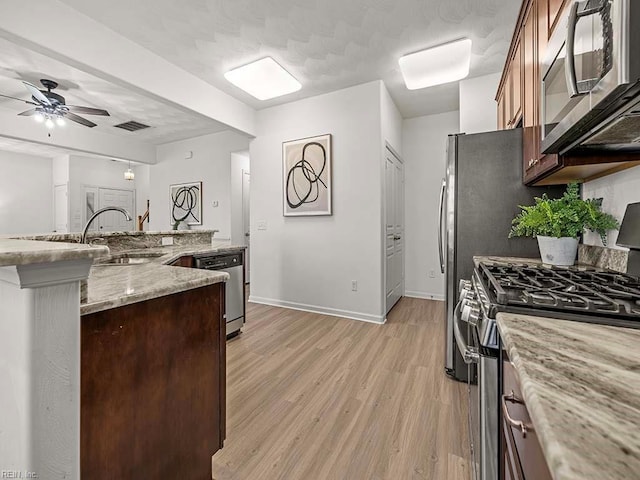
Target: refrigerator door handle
x=440, y=250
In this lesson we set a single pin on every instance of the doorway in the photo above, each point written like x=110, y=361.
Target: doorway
x=240, y=205
x=246, y=183
x=96, y=198
x=394, y=228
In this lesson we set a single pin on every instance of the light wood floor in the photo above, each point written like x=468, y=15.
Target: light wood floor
x=314, y=397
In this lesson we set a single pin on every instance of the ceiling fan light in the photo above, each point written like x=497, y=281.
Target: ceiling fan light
x=49, y=123
x=38, y=117
x=61, y=121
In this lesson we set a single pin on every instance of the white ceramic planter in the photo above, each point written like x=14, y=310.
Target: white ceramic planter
x=558, y=251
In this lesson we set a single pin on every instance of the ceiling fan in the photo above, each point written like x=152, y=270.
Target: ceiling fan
x=50, y=106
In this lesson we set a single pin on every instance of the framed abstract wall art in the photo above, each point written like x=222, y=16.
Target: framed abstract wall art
x=306, y=168
x=186, y=203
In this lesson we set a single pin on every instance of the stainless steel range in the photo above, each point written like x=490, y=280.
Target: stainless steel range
x=572, y=293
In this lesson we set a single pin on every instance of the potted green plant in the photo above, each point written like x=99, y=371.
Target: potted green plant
x=557, y=224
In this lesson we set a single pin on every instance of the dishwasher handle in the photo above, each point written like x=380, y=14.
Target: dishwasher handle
x=219, y=262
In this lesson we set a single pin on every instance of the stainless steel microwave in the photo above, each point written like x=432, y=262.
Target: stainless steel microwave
x=591, y=78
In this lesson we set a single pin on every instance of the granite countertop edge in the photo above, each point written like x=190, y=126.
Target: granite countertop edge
x=200, y=279
x=558, y=466
x=15, y=252
x=112, y=286
x=566, y=458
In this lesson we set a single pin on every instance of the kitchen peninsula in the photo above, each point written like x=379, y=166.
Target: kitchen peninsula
x=152, y=340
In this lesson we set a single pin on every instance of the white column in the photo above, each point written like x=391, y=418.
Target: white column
x=40, y=369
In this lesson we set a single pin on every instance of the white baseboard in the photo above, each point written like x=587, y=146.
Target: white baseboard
x=334, y=312
x=427, y=296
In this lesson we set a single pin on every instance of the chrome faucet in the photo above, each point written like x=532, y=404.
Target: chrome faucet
x=83, y=239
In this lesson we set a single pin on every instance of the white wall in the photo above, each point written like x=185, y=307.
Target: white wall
x=210, y=164
x=239, y=162
x=617, y=191
x=60, y=170
x=424, y=147
x=93, y=172
x=391, y=121
x=478, y=107
x=26, y=193
x=309, y=262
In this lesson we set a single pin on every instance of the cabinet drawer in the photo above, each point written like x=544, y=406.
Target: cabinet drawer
x=523, y=457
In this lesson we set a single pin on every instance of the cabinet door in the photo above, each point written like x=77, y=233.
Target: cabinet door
x=523, y=453
x=502, y=122
x=516, y=85
x=530, y=70
x=530, y=148
x=554, y=9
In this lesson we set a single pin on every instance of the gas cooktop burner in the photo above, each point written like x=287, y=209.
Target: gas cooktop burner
x=563, y=289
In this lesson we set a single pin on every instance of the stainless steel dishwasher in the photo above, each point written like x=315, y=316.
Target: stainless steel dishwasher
x=234, y=289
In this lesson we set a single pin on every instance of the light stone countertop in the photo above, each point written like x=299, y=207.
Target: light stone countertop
x=504, y=260
x=25, y=252
x=581, y=384
x=111, y=286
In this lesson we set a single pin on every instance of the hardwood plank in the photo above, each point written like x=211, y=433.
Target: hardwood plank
x=315, y=397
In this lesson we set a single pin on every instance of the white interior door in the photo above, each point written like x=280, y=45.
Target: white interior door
x=246, y=183
x=115, y=221
x=61, y=208
x=394, y=229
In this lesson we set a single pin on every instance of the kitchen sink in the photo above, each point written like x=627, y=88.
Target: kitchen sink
x=129, y=259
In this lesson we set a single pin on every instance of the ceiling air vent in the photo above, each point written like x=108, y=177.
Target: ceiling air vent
x=132, y=126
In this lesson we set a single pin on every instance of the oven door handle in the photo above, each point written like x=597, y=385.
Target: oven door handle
x=570, y=64
x=469, y=354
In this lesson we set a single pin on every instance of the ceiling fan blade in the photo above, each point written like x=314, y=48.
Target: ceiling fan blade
x=28, y=113
x=19, y=99
x=78, y=119
x=87, y=110
x=37, y=94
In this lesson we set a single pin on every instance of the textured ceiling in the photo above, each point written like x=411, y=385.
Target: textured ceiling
x=325, y=44
x=168, y=123
x=29, y=148
x=47, y=151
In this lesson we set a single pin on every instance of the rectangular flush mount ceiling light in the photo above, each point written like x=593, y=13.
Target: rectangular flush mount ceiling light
x=434, y=66
x=264, y=79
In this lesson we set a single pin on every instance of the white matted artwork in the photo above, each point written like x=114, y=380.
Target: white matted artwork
x=306, y=168
x=186, y=203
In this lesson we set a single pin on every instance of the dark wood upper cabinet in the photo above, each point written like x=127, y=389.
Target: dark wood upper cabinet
x=554, y=7
x=519, y=103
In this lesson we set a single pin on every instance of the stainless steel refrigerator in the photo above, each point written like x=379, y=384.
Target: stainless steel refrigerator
x=479, y=198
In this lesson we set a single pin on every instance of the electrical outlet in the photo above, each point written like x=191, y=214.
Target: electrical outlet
x=354, y=285
x=432, y=274
x=166, y=241
x=262, y=225
x=215, y=203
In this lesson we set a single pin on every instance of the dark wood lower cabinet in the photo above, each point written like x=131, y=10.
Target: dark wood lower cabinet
x=186, y=261
x=153, y=388
x=522, y=457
